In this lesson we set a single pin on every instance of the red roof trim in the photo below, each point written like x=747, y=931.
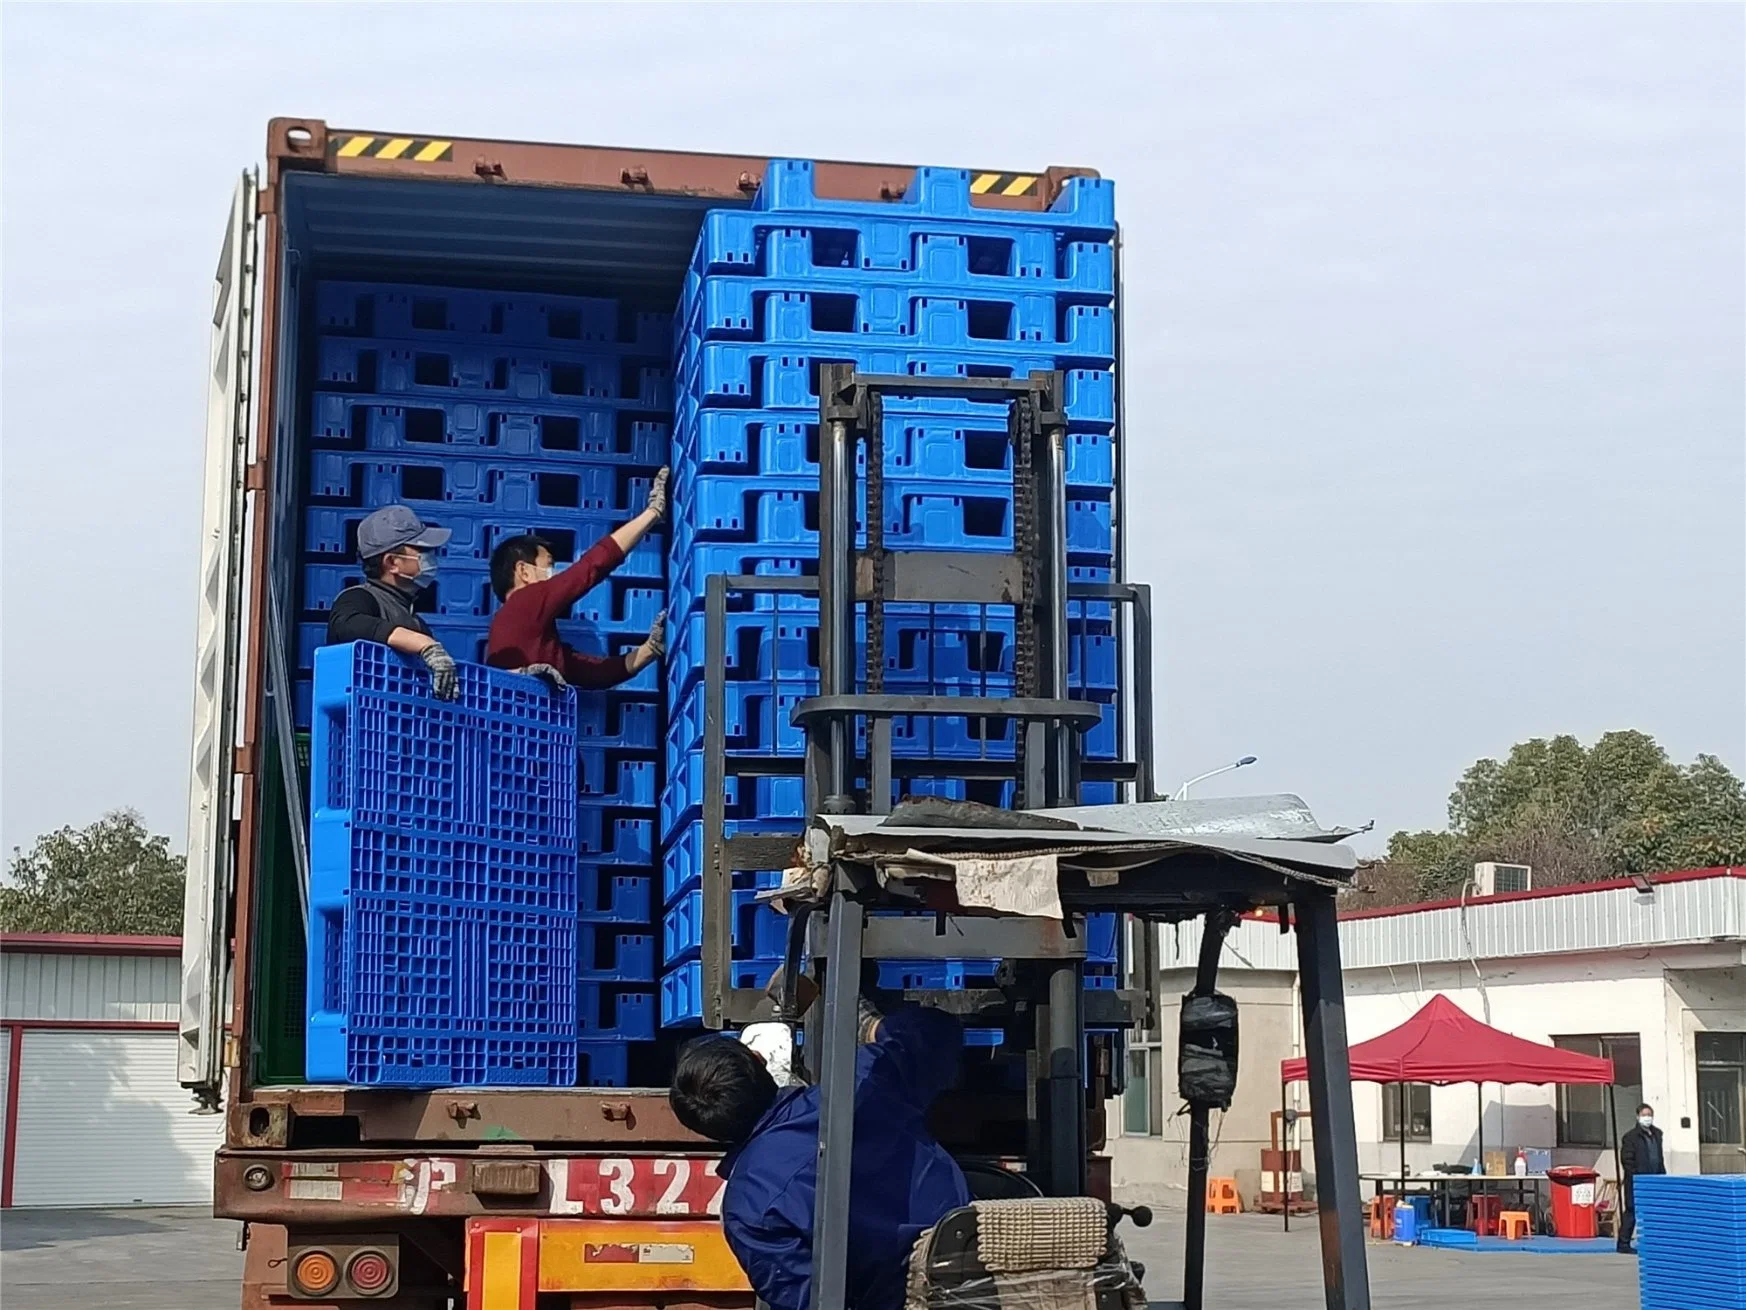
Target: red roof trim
x=85, y=943
x=1572, y=889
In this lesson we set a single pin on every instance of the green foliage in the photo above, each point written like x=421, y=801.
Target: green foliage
x=110, y=877
x=1578, y=815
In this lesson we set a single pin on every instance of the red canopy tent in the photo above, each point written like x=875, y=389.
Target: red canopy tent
x=1444, y=1044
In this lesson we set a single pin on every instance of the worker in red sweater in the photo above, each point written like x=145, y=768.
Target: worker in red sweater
x=524, y=632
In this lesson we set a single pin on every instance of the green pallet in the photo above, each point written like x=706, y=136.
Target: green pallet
x=281, y=954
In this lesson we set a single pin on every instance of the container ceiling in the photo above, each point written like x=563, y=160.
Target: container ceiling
x=563, y=239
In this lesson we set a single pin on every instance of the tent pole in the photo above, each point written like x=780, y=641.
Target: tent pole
x=1284, y=1159
x=1479, y=1106
x=1618, y=1177
x=1401, y=1105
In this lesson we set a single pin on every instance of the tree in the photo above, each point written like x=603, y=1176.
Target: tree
x=110, y=877
x=1576, y=815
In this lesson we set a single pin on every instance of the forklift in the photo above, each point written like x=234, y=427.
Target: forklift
x=1010, y=882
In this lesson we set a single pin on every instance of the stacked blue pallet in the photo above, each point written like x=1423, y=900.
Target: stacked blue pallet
x=931, y=285
x=1691, y=1241
x=494, y=414
x=442, y=857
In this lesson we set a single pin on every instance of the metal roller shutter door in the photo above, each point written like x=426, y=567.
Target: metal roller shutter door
x=5, y=1086
x=102, y=1121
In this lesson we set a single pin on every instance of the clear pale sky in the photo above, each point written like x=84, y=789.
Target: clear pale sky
x=1436, y=393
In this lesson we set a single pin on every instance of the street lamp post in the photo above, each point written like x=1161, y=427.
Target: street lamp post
x=1182, y=791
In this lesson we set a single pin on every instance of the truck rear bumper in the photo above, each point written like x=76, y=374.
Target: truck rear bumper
x=510, y=1262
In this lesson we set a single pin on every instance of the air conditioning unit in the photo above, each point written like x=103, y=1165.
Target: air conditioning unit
x=1492, y=879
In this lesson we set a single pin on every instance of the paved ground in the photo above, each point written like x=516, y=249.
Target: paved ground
x=184, y=1260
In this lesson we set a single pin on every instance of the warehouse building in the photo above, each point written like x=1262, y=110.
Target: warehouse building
x=1651, y=973
x=93, y=1112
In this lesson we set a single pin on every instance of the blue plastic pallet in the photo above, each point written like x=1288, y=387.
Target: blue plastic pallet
x=331, y=534
x=461, y=369
x=1692, y=1241
x=783, y=449
x=606, y=955
x=775, y=377
x=505, y=485
x=498, y=763
x=1085, y=203
x=607, y=839
x=610, y=895
x=759, y=932
x=1022, y=253
x=682, y=989
x=607, y=1013
x=682, y=859
x=423, y=991
x=580, y=433
x=827, y=313
x=379, y=309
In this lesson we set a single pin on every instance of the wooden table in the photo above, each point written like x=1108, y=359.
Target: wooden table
x=1437, y=1186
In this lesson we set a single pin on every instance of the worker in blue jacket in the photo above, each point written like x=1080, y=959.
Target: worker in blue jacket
x=902, y=1181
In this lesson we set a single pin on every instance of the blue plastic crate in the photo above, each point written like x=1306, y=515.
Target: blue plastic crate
x=1021, y=253
x=608, y=1013
x=604, y=1064
x=682, y=989
x=608, y=721
x=391, y=310
x=759, y=932
x=615, y=780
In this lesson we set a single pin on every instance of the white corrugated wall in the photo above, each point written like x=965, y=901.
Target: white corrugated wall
x=71, y=988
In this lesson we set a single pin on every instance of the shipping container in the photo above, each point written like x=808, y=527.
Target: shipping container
x=394, y=1173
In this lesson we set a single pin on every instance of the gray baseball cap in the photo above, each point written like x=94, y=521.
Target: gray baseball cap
x=394, y=526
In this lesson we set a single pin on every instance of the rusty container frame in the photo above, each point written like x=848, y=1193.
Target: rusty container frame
x=309, y=144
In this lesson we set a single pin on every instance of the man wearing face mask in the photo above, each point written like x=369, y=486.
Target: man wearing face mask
x=1639, y=1153
x=398, y=550
x=524, y=631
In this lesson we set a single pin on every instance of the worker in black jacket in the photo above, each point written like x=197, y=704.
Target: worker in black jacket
x=1639, y=1153
x=398, y=550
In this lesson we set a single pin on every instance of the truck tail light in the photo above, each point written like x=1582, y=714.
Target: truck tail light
x=370, y=1272
x=314, y=1273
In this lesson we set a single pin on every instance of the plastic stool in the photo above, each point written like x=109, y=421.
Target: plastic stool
x=1515, y=1225
x=1379, y=1210
x=1221, y=1196
x=1482, y=1214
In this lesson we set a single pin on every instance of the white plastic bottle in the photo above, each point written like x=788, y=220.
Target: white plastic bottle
x=1521, y=1163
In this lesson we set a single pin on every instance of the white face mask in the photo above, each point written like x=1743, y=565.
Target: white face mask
x=1645, y=1121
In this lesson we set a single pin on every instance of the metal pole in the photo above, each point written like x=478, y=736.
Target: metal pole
x=1345, y=1276
x=1206, y=974
x=1064, y=1142
x=836, y=1106
x=836, y=587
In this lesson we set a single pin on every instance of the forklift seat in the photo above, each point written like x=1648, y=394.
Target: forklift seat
x=1055, y=1253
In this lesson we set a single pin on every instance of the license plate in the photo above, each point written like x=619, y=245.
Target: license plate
x=640, y=1186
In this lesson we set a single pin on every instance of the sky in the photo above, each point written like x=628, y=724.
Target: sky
x=1435, y=366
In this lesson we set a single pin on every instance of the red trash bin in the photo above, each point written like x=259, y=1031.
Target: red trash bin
x=1573, y=1200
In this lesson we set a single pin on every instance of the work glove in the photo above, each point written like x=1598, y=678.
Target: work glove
x=444, y=677
x=657, y=638
x=658, y=496
x=548, y=675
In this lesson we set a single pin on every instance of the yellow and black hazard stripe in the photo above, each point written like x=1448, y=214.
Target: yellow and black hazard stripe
x=422, y=150
x=1004, y=184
